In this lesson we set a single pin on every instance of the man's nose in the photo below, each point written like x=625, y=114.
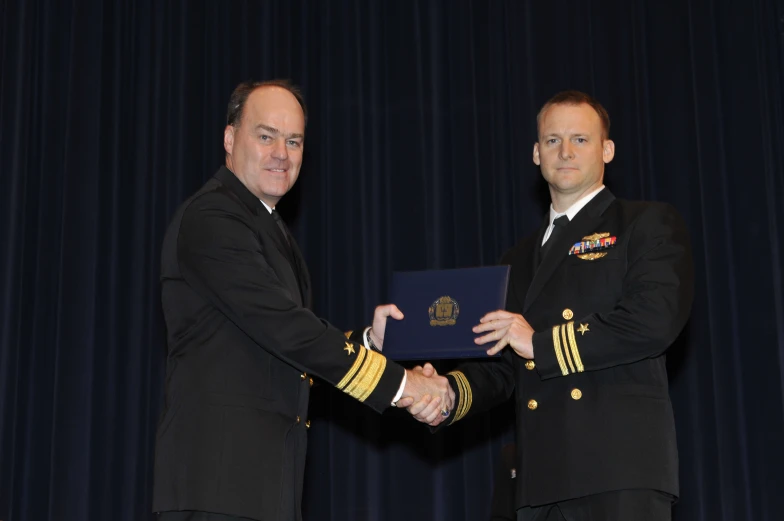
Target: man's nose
x=279, y=151
x=566, y=151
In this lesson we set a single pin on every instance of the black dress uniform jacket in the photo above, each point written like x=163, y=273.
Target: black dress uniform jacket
x=593, y=407
x=242, y=345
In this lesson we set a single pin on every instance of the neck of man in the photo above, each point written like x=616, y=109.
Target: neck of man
x=562, y=201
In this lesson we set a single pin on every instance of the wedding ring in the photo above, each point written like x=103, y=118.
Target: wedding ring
x=444, y=412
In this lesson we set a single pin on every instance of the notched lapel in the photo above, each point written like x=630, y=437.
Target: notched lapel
x=284, y=264
x=586, y=221
x=557, y=254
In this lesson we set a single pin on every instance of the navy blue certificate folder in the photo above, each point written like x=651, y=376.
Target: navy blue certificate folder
x=440, y=308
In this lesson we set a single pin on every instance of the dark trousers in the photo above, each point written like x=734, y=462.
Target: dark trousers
x=619, y=505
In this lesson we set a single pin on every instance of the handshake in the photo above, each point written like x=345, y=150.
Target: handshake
x=427, y=395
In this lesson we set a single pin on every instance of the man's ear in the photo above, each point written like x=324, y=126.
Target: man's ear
x=537, y=161
x=608, y=150
x=228, y=139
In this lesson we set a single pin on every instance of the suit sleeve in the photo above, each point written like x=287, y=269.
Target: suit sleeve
x=479, y=386
x=221, y=256
x=655, y=304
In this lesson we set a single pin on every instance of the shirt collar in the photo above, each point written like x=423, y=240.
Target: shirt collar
x=572, y=211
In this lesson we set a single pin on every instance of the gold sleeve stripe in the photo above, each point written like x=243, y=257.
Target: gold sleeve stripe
x=566, y=347
x=558, y=352
x=465, y=394
x=369, y=376
x=464, y=390
x=348, y=334
x=361, y=353
x=575, y=352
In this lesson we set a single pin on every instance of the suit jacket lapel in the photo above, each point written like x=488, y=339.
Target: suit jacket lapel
x=584, y=223
x=302, y=274
x=285, y=264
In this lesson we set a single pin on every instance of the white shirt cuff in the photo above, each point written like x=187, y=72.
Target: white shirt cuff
x=400, y=391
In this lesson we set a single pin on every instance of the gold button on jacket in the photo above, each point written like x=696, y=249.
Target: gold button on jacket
x=577, y=394
x=303, y=376
x=532, y=404
x=530, y=365
x=298, y=420
x=311, y=382
x=307, y=424
x=567, y=314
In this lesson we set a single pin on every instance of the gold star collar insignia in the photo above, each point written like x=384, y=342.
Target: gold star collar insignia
x=583, y=328
x=349, y=349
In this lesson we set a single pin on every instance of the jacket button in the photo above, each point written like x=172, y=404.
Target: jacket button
x=303, y=376
x=307, y=424
x=530, y=365
x=311, y=382
x=298, y=420
x=567, y=314
x=532, y=405
x=576, y=394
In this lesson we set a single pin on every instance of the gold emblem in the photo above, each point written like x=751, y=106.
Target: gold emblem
x=567, y=314
x=576, y=394
x=349, y=349
x=591, y=241
x=592, y=256
x=444, y=312
x=582, y=329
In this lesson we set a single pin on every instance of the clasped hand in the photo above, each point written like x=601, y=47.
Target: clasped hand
x=427, y=395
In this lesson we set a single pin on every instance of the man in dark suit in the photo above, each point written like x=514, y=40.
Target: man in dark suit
x=595, y=299
x=243, y=346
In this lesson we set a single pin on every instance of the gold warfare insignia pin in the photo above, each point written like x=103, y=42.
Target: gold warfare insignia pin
x=590, y=248
x=444, y=312
x=582, y=329
x=349, y=349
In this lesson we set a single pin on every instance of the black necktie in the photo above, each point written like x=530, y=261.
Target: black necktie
x=282, y=227
x=559, y=227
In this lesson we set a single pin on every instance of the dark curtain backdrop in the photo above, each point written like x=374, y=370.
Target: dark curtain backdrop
x=418, y=156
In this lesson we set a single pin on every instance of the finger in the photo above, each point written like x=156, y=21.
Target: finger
x=495, y=315
x=395, y=312
x=404, y=402
x=496, y=348
x=429, y=413
x=428, y=370
x=493, y=336
x=420, y=406
x=433, y=418
x=438, y=421
x=490, y=326
x=431, y=410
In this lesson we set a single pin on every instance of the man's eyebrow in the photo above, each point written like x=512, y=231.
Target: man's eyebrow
x=273, y=130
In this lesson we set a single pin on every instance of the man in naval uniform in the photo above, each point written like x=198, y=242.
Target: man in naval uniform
x=243, y=345
x=595, y=298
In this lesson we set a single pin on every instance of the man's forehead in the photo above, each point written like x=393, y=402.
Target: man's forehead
x=274, y=109
x=272, y=97
x=577, y=117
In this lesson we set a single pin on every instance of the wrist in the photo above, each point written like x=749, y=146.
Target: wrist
x=374, y=342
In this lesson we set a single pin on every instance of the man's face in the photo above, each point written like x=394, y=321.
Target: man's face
x=265, y=151
x=571, y=150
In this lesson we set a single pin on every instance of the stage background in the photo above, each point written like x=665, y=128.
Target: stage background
x=418, y=156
